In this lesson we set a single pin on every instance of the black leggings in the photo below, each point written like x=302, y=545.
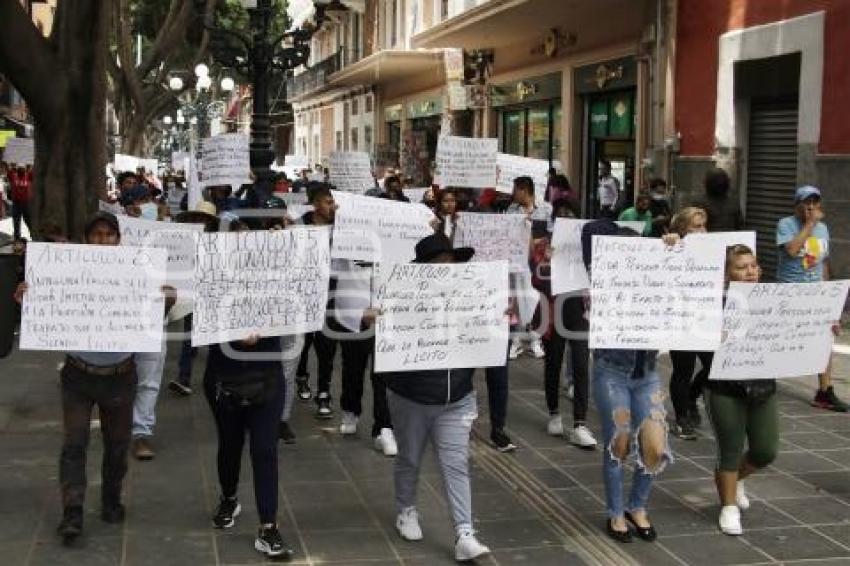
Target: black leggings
x=573, y=328
x=262, y=423
x=685, y=388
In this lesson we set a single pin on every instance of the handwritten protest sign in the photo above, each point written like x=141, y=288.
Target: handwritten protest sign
x=353, y=295
x=111, y=207
x=774, y=330
x=495, y=237
x=297, y=161
x=20, y=151
x=93, y=298
x=149, y=165
x=177, y=239
x=726, y=239
x=193, y=184
x=467, y=162
x=415, y=194
x=378, y=230
x=437, y=316
x=225, y=161
x=645, y=295
x=351, y=171
x=512, y=166
x=266, y=283
x=178, y=160
x=568, y=271
x=124, y=163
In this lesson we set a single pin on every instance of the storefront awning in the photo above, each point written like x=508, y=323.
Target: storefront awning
x=389, y=65
x=500, y=23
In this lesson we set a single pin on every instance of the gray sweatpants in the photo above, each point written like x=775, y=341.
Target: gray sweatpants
x=448, y=427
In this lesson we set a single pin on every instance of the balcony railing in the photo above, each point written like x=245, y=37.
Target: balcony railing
x=315, y=77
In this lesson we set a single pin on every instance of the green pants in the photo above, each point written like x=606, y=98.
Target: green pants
x=735, y=419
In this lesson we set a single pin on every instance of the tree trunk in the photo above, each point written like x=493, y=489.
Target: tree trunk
x=63, y=81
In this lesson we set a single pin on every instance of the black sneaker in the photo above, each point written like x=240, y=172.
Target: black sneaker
x=323, y=406
x=112, y=513
x=829, y=400
x=71, y=525
x=270, y=543
x=228, y=510
x=284, y=433
x=303, y=389
x=501, y=441
x=178, y=388
x=684, y=429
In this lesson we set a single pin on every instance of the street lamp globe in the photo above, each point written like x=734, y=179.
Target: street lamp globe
x=204, y=83
x=227, y=84
x=202, y=70
x=176, y=83
x=181, y=119
x=167, y=120
x=193, y=121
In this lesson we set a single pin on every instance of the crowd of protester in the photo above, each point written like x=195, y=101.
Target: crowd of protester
x=437, y=407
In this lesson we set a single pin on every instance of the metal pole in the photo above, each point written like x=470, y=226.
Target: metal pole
x=262, y=155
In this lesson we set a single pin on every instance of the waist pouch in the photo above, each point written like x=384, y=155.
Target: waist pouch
x=250, y=388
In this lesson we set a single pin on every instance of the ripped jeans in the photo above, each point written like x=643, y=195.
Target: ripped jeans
x=625, y=405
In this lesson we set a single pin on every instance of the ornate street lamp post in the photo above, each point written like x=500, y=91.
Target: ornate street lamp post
x=259, y=55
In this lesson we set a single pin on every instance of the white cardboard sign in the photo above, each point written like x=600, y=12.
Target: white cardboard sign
x=467, y=162
x=512, y=166
x=647, y=296
x=351, y=171
x=176, y=238
x=20, y=151
x=86, y=298
x=727, y=239
x=225, y=160
x=495, y=237
x=775, y=330
x=124, y=163
x=378, y=230
x=438, y=316
x=268, y=283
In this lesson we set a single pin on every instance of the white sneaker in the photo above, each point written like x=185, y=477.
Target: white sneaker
x=537, y=349
x=582, y=437
x=407, y=524
x=349, y=423
x=741, y=498
x=515, y=350
x=730, y=520
x=385, y=442
x=467, y=547
x=555, y=426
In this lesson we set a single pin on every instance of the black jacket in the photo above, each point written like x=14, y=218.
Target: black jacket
x=431, y=387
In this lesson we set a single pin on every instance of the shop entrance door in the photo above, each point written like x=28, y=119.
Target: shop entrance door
x=609, y=136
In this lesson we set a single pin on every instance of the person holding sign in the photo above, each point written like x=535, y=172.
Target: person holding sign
x=628, y=395
x=803, y=257
x=436, y=406
x=685, y=388
x=105, y=379
x=741, y=411
x=639, y=213
x=446, y=212
x=20, y=193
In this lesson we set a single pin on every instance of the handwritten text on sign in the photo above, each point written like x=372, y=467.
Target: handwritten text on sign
x=93, y=298
x=568, y=271
x=225, y=161
x=20, y=151
x=177, y=239
x=645, y=295
x=351, y=171
x=378, y=230
x=265, y=283
x=437, y=316
x=467, y=162
x=774, y=330
x=495, y=237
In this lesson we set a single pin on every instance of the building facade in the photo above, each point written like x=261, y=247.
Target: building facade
x=760, y=91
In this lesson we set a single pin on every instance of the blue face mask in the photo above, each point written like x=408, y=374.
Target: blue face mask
x=149, y=211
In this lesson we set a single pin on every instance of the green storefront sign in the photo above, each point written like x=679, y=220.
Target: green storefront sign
x=612, y=117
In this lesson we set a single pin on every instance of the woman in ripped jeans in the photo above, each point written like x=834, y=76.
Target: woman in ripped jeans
x=630, y=401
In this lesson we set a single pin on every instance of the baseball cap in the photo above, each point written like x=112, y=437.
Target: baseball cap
x=804, y=192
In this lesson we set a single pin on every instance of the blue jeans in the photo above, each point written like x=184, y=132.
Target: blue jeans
x=625, y=404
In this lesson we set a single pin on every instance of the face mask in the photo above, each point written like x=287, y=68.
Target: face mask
x=149, y=211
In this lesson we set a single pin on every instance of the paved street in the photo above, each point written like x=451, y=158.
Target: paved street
x=541, y=505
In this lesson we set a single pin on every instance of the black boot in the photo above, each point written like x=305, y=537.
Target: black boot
x=71, y=525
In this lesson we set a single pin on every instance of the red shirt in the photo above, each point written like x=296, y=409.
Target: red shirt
x=21, y=186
